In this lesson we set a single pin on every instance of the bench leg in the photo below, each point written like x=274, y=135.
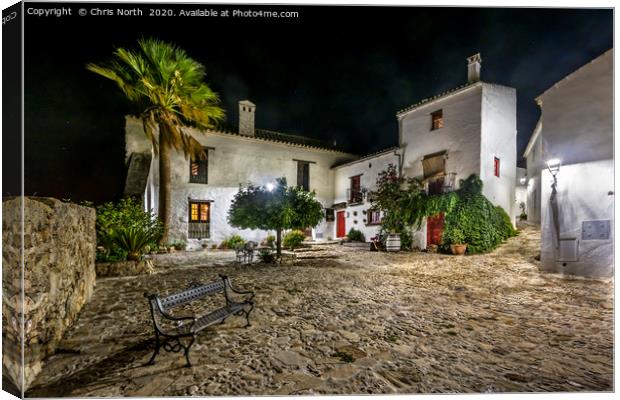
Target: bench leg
x=189, y=345
x=156, y=352
x=247, y=314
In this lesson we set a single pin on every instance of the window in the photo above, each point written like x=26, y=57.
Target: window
x=199, y=219
x=303, y=175
x=374, y=217
x=329, y=214
x=355, y=189
x=436, y=120
x=496, y=166
x=198, y=169
x=434, y=164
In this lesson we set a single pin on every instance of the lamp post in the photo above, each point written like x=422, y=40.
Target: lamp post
x=553, y=165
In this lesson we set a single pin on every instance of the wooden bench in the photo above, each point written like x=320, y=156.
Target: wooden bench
x=169, y=329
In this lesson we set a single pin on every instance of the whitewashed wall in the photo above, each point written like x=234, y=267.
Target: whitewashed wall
x=235, y=160
x=535, y=164
x=577, y=117
x=499, y=139
x=369, y=169
x=583, y=195
x=577, y=128
x=460, y=135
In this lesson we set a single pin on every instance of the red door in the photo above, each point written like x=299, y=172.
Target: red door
x=434, y=228
x=340, y=228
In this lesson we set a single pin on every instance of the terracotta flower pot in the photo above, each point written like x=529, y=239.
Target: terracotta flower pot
x=458, y=249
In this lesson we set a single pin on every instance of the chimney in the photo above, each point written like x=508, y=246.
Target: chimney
x=247, y=109
x=473, y=68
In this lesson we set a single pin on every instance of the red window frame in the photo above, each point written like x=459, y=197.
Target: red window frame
x=496, y=166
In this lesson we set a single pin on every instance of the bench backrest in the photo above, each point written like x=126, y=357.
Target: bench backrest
x=187, y=296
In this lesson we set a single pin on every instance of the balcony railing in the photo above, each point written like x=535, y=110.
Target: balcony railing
x=355, y=196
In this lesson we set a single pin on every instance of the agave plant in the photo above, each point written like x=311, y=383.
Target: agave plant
x=133, y=240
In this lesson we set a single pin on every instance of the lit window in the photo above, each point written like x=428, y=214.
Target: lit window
x=436, y=120
x=199, y=216
x=496, y=166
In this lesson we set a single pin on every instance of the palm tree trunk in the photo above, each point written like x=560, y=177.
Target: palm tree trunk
x=164, y=182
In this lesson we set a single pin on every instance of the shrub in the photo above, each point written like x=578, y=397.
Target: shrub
x=180, y=245
x=356, y=236
x=270, y=241
x=125, y=227
x=482, y=225
x=266, y=256
x=293, y=239
x=232, y=242
x=133, y=241
x=455, y=236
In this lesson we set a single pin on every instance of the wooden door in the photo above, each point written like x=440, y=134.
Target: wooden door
x=434, y=228
x=340, y=228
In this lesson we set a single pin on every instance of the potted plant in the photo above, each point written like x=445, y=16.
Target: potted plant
x=457, y=242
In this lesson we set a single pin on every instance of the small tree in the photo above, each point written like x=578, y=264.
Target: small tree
x=256, y=207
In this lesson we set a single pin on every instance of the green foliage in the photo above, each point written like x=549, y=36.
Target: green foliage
x=356, y=236
x=256, y=207
x=266, y=256
x=270, y=241
x=475, y=220
x=180, y=245
x=294, y=239
x=124, y=227
x=133, y=240
x=232, y=242
x=455, y=236
x=469, y=216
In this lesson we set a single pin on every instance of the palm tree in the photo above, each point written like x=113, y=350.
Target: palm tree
x=169, y=87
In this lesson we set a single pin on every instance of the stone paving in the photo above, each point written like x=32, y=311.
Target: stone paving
x=345, y=321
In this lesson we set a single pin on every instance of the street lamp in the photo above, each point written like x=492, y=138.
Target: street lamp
x=553, y=165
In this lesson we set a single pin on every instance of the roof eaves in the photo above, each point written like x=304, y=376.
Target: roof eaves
x=568, y=77
x=436, y=97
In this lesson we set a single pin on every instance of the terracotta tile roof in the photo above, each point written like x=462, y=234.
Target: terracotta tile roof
x=286, y=138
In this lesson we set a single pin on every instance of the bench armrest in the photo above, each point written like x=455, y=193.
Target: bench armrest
x=229, y=284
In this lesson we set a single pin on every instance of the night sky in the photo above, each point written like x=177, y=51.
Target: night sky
x=334, y=73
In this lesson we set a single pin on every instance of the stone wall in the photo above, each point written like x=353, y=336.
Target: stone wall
x=59, y=258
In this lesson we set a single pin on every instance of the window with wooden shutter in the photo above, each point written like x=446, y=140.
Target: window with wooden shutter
x=436, y=120
x=355, y=189
x=198, y=169
x=303, y=175
x=434, y=164
x=199, y=219
x=496, y=166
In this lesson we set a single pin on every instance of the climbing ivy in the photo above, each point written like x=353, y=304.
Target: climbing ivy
x=467, y=212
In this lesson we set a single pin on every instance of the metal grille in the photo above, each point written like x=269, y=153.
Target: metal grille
x=199, y=230
x=355, y=196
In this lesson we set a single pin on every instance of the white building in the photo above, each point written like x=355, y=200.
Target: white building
x=534, y=158
x=577, y=135
x=202, y=191
x=468, y=130
x=354, y=181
